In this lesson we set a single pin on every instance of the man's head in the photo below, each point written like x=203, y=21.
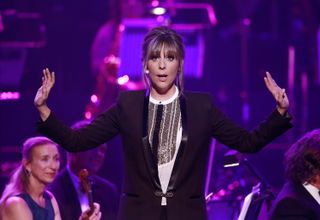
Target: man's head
x=91, y=160
x=302, y=160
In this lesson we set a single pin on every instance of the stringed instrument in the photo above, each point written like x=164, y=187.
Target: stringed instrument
x=86, y=186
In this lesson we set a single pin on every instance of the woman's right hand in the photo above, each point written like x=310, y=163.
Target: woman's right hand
x=40, y=100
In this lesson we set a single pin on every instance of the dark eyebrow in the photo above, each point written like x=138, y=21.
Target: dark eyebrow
x=171, y=54
x=154, y=54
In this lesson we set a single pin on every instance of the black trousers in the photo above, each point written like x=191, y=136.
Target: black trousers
x=163, y=213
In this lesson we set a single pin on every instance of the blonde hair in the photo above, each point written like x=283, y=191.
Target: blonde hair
x=19, y=180
x=155, y=40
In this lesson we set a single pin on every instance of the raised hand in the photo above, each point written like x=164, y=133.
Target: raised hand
x=278, y=93
x=48, y=80
x=40, y=100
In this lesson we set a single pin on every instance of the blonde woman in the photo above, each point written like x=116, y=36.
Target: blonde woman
x=25, y=196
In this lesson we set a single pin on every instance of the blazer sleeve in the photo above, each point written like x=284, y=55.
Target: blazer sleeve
x=234, y=136
x=100, y=130
x=290, y=209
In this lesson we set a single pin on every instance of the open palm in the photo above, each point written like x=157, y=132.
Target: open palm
x=43, y=92
x=278, y=93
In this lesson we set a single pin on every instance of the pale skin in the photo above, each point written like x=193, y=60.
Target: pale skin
x=279, y=94
x=42, y=169
x=163, y=71
x=15, y=208
x=315, y=181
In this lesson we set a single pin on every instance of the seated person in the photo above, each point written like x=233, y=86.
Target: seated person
x=72, y=200
x=299, y=198
x=25, y=196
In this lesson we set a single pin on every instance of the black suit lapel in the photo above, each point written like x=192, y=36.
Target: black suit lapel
x=70, y=195
x=309, y=198
x=151, y=164
x=177, y=164
x=70, y=190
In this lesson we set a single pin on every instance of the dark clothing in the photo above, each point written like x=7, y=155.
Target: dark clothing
x=294, y=202
x=163, y=215
x=38, y=212
x=103, y=192
x=201, y=121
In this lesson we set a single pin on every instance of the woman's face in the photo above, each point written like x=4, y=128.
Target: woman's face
x=163, y=70
x=44, y=164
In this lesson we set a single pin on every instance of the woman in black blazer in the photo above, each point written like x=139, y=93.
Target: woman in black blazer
x=166, y=133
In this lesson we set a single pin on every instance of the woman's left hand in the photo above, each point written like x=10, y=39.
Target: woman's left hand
x=278, y=93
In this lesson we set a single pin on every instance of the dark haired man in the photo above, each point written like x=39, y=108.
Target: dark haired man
x=299, y=198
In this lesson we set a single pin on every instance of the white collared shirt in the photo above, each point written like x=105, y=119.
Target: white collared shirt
x=171, y=99
x=314, y=191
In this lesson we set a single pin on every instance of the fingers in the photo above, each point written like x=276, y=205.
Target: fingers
x=272, y=85
x=45, y=76
x=278, y=93
x=282, y=98
x=267, y=80
x=278, y=96
x=99, y=216
x=96, y=208
x=270, y=82
x=283, y=93
x=96, y=215
x=48, y=78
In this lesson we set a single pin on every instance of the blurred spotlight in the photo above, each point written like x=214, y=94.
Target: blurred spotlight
x=161, y=19
x=88, y=115
x=123, y=80
x=155, y=3
x=9, y=96
x=246, y=22
x=94, y=98
x=121, y=27
x=112, y=59
x=1, y=24
x=158, y=11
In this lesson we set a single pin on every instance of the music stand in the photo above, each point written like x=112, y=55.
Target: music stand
x=261, y=194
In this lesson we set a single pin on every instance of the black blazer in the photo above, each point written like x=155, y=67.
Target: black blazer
x=294, y=202
x=103, y=192
x=201, y=121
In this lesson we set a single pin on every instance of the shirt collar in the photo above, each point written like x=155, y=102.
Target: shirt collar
x=314, y=191
x=165, y=102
